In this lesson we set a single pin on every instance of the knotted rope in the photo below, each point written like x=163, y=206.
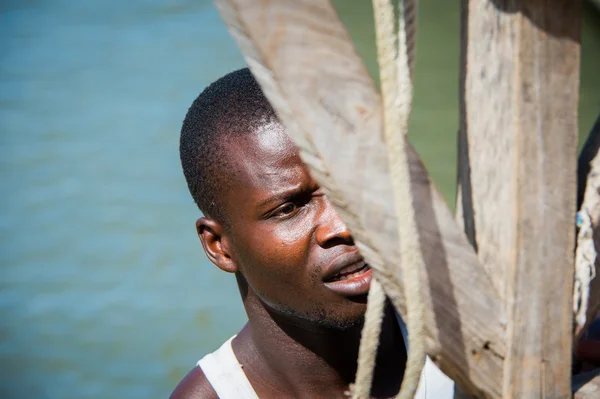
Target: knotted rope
x=585, y=255
x=396, y=64
x=585, y=269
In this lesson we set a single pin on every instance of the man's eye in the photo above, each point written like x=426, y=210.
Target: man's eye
x=285, y=210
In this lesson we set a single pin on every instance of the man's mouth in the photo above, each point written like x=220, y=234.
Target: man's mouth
x=349, y=275
x=350, y=272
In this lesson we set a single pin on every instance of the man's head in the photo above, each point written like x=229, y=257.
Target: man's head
x=266, y=218
x=231, y=107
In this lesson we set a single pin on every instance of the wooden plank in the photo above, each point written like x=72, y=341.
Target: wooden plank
x=518, y=163
x=303, y=58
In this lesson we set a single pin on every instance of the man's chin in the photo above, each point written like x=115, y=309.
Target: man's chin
x=362, y=299
x=322, y=318
x=343, y=325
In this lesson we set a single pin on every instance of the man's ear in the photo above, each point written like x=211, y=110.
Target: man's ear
x=214, y=244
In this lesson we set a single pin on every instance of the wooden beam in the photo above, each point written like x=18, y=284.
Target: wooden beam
x=303, y=58
x=518, y=176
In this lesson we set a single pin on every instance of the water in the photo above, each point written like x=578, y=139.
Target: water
x=104, y=288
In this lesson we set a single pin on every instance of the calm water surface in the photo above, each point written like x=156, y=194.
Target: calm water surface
x=104, y=289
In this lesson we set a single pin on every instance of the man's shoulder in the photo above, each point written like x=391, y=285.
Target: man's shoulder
x=194, y=385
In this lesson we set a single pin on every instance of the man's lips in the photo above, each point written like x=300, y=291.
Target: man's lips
x=353, y=286
x=348, y=275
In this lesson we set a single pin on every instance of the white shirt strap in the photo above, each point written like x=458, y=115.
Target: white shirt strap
x=225, y=374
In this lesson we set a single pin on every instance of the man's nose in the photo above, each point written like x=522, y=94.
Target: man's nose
x=331, y=229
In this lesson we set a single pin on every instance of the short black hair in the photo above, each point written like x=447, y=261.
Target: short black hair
x=232, y=106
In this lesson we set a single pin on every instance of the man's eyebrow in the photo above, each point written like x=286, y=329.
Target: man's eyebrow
x=281, y=196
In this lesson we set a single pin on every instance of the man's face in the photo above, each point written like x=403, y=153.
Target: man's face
x=286, y=238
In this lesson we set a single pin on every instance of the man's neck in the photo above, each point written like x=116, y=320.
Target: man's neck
x=287, y=357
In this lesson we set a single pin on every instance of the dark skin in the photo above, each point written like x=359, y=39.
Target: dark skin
x=280, y=239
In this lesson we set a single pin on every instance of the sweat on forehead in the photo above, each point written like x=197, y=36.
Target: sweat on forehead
x=232, y=107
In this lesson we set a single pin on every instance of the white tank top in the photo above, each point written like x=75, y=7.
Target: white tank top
x=225, y=374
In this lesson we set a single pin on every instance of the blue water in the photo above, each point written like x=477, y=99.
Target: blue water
x=104, y=289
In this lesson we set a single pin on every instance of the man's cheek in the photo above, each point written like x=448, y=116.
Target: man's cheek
x=294, y=232
x=283, y=253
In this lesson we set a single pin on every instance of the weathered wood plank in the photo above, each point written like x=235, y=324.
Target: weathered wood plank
x=304, y=59
x=518, y=180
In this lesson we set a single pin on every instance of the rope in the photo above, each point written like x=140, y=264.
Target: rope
x=586, y=254
x=585, y=270
x=396, y=66
x=369, y=341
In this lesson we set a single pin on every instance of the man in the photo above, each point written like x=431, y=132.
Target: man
x=302, y=280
